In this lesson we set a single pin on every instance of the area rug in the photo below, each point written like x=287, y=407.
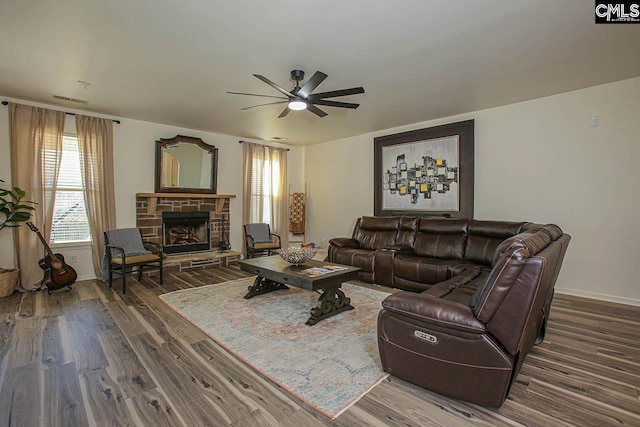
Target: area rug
x=329, y=365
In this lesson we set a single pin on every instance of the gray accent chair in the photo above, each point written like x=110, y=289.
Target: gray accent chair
x=125, y=250
x=259, y=240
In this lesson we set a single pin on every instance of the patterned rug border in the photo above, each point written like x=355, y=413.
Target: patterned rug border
x=242, y=358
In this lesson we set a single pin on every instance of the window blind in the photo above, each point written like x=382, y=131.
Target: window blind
x=263, y=185
x=70, y=222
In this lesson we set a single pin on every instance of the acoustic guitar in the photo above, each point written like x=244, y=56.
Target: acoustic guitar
x=57, y=274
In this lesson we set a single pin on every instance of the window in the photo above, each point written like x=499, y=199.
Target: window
x=70, y=222
x=264, y=187
x=265, y=177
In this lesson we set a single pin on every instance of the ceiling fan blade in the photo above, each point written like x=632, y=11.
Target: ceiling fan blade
x=273, y=85
x=315, y=110
x=334, y=93
x=262, y=105
x=255, y=94
x=311, y=84
x=284, y=112
x=336, y=104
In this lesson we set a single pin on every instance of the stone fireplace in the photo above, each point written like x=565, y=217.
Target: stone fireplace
x=189, y=226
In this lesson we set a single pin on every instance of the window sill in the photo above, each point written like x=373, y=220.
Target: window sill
x=72, y=245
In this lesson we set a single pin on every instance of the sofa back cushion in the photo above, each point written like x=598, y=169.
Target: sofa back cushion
x=504, y=303
x=441, y=238
x=528, y=242
x=377, y=232
x=485, y=237
x=509, y=259
x=407, y=231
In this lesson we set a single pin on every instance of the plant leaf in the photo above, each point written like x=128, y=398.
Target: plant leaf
x=20, y=192
x=19, y=217
x=31, y=208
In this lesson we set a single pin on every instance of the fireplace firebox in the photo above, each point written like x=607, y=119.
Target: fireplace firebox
x=186, y=232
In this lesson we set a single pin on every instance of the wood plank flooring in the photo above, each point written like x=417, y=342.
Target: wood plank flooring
x=94, y=357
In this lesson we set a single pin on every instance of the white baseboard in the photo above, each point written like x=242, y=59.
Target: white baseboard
x=599, y=296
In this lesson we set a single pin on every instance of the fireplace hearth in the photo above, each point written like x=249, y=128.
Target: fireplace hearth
x=186, y=232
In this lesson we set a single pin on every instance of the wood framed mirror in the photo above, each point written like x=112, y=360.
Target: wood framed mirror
x=186, y=165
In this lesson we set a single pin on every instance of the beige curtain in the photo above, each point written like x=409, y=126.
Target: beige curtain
x=95, y=143
x=36, y=135
x=264, y=186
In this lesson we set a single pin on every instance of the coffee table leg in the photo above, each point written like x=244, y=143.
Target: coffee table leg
x=262, y=286
x=331, y=302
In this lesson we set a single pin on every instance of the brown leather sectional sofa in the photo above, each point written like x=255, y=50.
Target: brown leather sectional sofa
x=475, y=297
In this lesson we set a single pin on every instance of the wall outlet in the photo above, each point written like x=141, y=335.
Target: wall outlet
x=72, y=259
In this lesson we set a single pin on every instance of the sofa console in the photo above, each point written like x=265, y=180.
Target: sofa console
x=474, y=297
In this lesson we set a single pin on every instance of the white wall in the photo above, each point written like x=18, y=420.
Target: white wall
x=537, y=161
x=134, y=159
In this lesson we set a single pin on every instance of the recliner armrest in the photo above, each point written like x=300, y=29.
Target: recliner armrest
x=436, y=311
x=344, y=242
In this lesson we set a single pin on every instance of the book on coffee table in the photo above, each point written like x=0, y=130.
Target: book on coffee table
x=325, y=269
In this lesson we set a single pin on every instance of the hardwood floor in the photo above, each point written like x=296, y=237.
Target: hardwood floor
x=94, y=357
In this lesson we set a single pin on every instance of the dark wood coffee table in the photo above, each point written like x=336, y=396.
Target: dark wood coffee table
x=274, y=273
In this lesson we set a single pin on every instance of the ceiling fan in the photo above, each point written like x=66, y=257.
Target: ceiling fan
x=301, y=98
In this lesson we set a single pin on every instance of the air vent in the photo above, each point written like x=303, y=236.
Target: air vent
x=66, y=98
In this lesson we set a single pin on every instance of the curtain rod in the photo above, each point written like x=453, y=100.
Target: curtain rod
x=66, y=112
x=241, y=141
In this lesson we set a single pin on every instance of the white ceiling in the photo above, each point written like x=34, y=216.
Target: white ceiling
x=172, y=62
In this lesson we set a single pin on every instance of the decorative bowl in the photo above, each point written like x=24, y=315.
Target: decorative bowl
x=297, y=256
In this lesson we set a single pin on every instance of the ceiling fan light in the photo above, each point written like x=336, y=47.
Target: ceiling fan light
x=297, y=105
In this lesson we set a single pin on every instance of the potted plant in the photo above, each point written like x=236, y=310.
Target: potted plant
x=13, y=211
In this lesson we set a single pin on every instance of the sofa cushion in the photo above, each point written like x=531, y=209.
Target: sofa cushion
x=529, y=242
x=410, y=285
x=432, y=310
x=553, y=231
x=407, y=231
x=459, y=288
x=360, y=258
x=441, y=238
x=421, y=269
x=485, y=237
x=344, y=242
x=458, y=266
x=464, y=294
x=509, y=261
x=377, y=232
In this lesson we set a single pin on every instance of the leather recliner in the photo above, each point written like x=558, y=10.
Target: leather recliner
x=467, y=336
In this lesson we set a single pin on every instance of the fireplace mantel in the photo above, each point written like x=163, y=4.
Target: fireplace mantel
x=218, y=200
x=187, y=195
